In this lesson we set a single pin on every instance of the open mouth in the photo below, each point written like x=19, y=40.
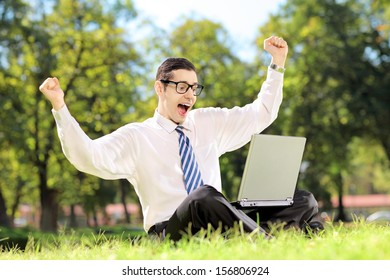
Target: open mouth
x=183, y=109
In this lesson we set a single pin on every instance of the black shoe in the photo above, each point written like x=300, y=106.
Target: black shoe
x=316, y=226
x=313, y=227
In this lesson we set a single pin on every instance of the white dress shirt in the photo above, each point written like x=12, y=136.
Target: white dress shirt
x=147, y=153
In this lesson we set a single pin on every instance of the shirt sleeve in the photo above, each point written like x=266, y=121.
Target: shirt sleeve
x=234, y=127
x=108, y=157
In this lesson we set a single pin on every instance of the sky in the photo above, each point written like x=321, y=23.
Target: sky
x=241, y=18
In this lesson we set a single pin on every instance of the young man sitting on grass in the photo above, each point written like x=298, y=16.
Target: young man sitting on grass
x=172, y=158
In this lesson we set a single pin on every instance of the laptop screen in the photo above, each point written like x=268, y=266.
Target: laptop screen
x=271, y=170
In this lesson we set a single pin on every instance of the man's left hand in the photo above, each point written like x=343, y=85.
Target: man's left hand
x=277, y=47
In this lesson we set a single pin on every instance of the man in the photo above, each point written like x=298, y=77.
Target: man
x=171, y=159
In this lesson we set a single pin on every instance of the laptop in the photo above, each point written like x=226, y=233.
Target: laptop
x=271, y=171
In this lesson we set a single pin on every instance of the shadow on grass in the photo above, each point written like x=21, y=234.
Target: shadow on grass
x=22, y=238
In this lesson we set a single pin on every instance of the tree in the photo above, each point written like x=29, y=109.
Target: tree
x=80, y=42
x=330, y=82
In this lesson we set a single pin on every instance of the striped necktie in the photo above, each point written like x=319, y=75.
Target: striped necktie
x=191, y=172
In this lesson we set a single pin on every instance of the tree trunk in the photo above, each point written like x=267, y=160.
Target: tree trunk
x=49, y=210
x=49, y=202
x=95, y=219
x=48, y=196
x=124, y=186
x=73, y=220
x=4, y=219
x=15, y=205
x=386, y=146
x=341, y=211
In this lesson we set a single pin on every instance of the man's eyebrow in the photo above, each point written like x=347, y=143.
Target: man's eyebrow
x=196, y=83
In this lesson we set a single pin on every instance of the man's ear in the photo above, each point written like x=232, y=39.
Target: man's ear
x=158, y=88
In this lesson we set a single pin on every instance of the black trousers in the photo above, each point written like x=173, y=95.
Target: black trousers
x=206, y=206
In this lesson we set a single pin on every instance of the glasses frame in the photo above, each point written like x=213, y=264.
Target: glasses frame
x=197, y=91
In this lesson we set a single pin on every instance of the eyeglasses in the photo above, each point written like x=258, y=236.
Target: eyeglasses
x=182, y=87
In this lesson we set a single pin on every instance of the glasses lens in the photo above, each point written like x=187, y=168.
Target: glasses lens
x=198, y=89
x=182, y=87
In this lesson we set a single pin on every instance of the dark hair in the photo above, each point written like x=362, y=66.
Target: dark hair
x=164, y=72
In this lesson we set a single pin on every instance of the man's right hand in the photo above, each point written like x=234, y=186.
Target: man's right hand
x=53, y=92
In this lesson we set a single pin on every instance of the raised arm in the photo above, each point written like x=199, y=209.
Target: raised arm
x=234, y=127
x=108, y=157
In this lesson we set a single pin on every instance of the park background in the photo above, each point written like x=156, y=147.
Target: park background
x=105, y=53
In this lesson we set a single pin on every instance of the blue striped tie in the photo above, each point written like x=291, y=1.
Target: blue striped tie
x=192, y=177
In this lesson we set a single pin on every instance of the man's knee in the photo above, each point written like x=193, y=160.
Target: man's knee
x=207, y=200
x=307, y=200
x=204, y=194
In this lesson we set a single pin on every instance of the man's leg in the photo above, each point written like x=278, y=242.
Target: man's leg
x=206, y=206
x=300, y=214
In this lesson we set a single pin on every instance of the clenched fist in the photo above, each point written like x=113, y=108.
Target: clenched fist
x=53, y=92
x=277, y=47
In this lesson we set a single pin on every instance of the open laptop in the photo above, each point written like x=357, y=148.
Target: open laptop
x=271, y=171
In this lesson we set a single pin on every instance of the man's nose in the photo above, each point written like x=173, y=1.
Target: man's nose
x=190, y=93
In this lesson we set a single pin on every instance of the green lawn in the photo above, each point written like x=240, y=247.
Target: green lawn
x=355, y=241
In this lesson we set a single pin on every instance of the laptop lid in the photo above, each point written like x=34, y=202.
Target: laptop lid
x=271, y=170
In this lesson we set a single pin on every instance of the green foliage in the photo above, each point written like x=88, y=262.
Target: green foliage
x=82, y=43
x=368, y=170
x=335, y=84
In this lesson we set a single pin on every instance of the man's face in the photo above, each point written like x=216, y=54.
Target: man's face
x=172, y=105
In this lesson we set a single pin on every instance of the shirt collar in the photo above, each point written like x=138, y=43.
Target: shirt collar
x=168, y=125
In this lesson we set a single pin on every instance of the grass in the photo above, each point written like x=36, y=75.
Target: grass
x=355, y=241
